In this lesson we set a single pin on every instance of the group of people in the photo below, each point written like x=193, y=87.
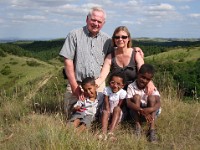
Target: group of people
x=90, y=58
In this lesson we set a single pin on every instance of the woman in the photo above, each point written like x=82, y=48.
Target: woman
x=123, y=59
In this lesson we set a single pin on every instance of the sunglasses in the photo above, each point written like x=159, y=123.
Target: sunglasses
x=118, y=37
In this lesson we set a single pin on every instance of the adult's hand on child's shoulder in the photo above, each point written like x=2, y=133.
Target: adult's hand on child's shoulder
x=78, y=93
x=150, y=88
x=139, y=50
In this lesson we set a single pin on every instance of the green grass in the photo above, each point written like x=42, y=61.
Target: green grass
x=37, y=122
x=177, y=128
x=32, y=113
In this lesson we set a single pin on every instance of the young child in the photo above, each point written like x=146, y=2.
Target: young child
x=86, y=110
x=141, y=104
x=114, y=95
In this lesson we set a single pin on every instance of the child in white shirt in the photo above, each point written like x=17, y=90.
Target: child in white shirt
x=114, y=95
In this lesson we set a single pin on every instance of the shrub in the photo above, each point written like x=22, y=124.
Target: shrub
x=6, y=70
x=181, y=60
x=32, y=63
x=13, y=62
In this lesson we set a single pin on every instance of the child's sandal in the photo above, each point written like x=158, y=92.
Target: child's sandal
x=102, y=137
x=111, y=136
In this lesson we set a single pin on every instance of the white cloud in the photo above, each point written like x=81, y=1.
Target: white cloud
x=127, y=22
x=140, y=21
x=141, y=16
x=182, y=0
x=161, y=12
x=31, y=17
x=195, y=15
x=161, y=7
x=89, y=5
x=133, y=2
x=47, y=3
x=186, y=7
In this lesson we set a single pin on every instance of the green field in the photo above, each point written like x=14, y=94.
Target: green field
x=177, y=55
x=31, y=105
x=20, y=70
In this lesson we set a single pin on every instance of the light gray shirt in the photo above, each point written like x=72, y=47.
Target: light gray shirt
x=87, y=52
x=91, y=107
x=133, y=90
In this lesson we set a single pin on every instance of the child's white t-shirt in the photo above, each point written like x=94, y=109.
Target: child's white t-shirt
x=114, y=97
x=133, y=89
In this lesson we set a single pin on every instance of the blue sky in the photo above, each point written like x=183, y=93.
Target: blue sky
x=50, y=19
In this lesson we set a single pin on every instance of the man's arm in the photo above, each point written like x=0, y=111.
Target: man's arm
x=69, y=70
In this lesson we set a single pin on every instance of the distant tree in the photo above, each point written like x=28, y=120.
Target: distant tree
x=2, y=53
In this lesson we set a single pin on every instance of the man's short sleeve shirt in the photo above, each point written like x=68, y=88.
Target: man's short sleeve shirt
x=88, y=53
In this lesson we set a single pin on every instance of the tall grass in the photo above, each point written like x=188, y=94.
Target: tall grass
x=39, y=123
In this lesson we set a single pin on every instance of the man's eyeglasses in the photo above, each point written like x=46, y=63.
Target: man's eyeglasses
x=118, y=37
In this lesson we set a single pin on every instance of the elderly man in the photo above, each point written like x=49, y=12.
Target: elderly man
x=84, y=51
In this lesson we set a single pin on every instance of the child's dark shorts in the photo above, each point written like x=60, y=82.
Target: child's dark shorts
x=86, y=119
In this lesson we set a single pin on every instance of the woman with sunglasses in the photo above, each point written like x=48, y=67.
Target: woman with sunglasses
x=124, y=58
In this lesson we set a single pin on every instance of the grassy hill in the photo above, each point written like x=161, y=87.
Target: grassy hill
x=35, y=120
x=31, y=101
x=177, y=55
x=179, y=66
x=20, y=70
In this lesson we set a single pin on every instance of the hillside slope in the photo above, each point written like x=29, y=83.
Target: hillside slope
x=15, y=70
x=176, y=55
x=179, y=66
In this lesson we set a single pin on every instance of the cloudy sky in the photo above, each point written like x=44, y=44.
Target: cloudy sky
x=50, y=19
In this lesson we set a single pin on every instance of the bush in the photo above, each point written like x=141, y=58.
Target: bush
x=181, y=60
x=6, y=70
x=32, y=63
x=13, y=62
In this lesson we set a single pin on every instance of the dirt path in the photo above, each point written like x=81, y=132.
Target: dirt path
x=39, y=85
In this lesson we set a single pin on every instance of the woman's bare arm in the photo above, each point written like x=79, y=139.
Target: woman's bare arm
x=104, y=71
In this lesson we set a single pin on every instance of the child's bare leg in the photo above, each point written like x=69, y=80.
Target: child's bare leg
x=115, y=118
x=151, y=103
x=105, y=116
x=81, y=128
x=136, y=99
x=76, y=123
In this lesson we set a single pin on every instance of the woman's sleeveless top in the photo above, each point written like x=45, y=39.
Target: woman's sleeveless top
x=129, y=71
